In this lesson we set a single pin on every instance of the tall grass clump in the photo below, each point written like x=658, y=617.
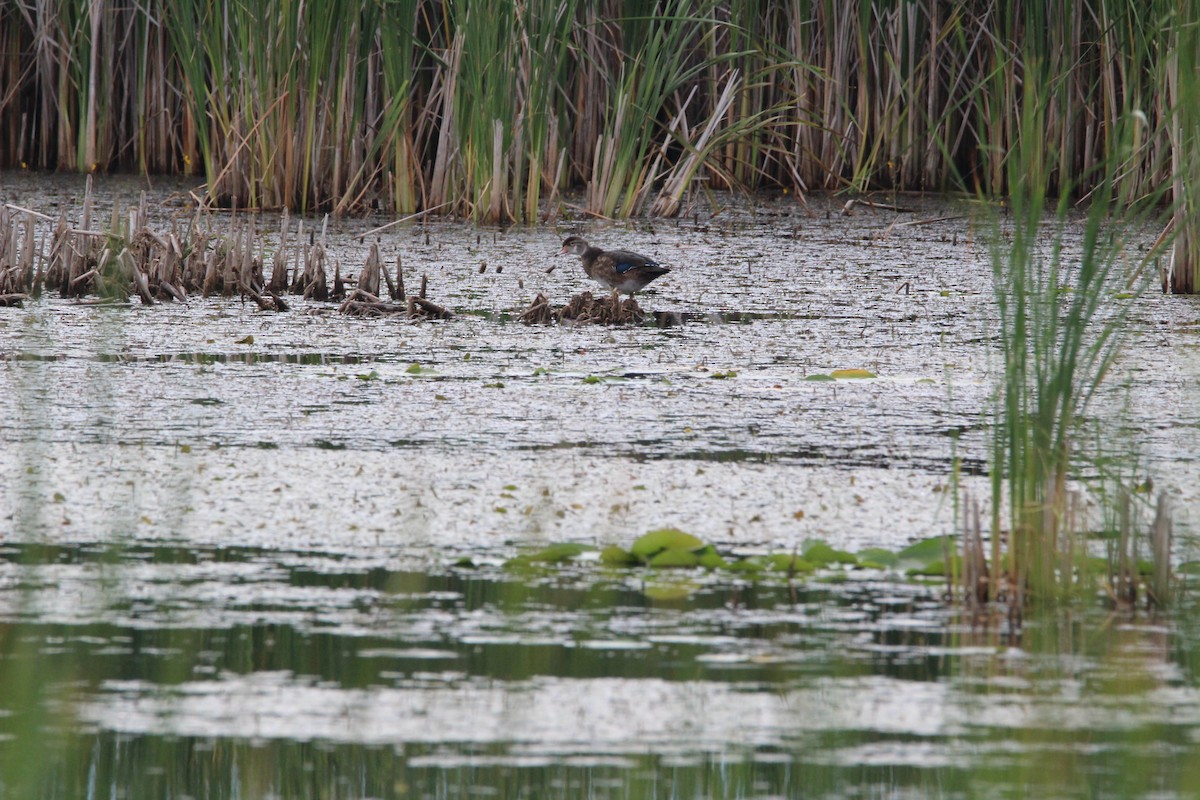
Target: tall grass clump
x=544, y=30
x=654, y=51
x=1060, y=329
x=394, y=109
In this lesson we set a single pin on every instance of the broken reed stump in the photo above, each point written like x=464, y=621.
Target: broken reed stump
x=131, y=259
x=539, y=312
x=369, y=276
x=16, y=255
x=279, y=268
x=270, y=301
x=126, y=259
x=363, y=303
x=584, y=309
x=313, y=283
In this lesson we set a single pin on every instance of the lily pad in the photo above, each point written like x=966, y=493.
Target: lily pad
x=819, y=552
x=661, y=539
x=790, y=562
x=819, y=376
x=925, y=551
x=877, y=557
x=851, y=374
x=709, y=558
x=617, y=557
x=554, y=554
x=675, y=557
x=939, y=568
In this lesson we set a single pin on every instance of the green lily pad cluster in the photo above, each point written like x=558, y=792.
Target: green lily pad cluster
x=671, y=548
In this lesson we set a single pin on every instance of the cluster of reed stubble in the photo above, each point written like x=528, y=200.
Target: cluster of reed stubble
x=196, y=256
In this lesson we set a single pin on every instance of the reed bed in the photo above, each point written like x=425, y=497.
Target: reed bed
x=487, y=109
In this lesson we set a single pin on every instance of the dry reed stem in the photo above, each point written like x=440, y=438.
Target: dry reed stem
x=976, y=582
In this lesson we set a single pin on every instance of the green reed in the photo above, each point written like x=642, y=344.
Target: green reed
x=652, y=63
x=393, y=107
x=475, y=153
x=544, y=28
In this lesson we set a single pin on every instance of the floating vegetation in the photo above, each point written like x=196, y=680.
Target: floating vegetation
x=1117, y=577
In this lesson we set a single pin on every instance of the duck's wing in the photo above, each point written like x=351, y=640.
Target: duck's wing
x=624, y=260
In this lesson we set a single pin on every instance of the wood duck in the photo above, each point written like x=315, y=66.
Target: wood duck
x=619, y=270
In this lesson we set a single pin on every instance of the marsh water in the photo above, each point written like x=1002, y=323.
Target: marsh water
x=257, y=554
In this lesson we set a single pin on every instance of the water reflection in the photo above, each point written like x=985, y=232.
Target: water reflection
x=240, y=672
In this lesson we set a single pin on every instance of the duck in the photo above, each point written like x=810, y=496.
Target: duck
x=619, y=270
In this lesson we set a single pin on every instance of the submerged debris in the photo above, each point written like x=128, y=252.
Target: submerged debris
x=584, y=309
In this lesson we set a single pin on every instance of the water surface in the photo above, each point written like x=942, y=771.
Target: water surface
x=232, y=541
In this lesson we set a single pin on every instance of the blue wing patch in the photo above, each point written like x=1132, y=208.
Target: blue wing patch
x=623, y=262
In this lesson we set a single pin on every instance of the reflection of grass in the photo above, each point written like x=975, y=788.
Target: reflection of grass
x=1040, y=742
x=37, y=712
